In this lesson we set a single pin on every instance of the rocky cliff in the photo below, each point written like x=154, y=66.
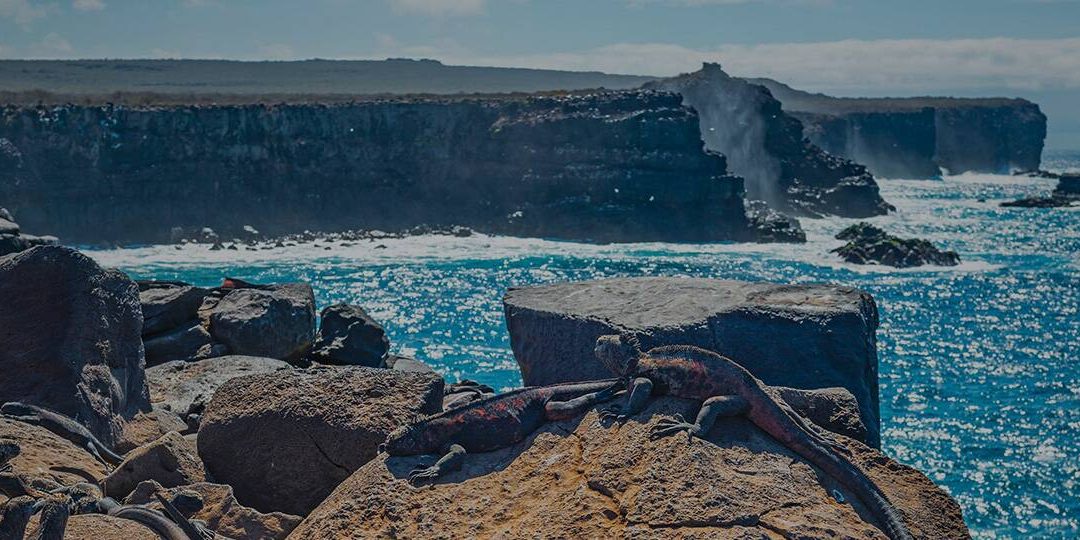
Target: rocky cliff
x=618, y=166
x=921, y=137
x=766, y=146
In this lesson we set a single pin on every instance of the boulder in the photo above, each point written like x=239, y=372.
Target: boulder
x=349, y=336
x=581, y=478
x=71, y=338
x=868, y=244
x=189, y=342
x=284, y=440
x=166, y=305
x=186, y=387
x=170, y=461
x=11, y=238
x=404, y=363
x=8, y=227
x=275, y=322
x=222, y=513
x=801, y=336
x=48, y=457
x=148, y=427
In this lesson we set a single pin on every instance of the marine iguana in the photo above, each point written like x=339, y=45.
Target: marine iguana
x=15, y=517
x=9, y=450
x=55, y=512
x=62, y=426
x=492, y=423
x=153, y=520
x=726, y=389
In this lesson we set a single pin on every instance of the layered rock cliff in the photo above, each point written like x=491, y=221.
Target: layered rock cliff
x=746, y=123
x=921, y=137
x=619, y=166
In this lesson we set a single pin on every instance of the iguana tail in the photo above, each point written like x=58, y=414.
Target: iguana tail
x=151, y=519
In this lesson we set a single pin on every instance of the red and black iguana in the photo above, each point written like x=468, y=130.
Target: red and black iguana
x=727, y=389
x=493, y=423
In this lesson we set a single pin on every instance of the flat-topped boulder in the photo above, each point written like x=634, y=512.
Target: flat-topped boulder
x=583, y=478
x=802, y=336
x=186, y=387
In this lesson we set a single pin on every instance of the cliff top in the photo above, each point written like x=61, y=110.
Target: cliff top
x=202, y=81
x=801, y=101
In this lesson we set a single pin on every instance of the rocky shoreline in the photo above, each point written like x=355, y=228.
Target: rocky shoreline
x=272, y=426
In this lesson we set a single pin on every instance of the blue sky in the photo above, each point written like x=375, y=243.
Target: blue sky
x=1028, y=48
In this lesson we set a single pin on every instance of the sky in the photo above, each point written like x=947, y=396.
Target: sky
x=1021, y=48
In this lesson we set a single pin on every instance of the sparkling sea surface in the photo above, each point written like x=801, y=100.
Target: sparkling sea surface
x=980, y=370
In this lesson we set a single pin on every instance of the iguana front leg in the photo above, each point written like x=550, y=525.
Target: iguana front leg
x=640, y=391
x=711, y=409
x=451, y=461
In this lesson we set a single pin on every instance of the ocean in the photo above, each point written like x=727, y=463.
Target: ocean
x=980, y=363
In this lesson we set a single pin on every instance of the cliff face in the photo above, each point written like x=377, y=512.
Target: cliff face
x=766, y=146
x=626, y=166
x=921, y=137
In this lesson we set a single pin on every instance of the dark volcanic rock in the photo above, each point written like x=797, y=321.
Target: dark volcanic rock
x=1068, y=186
x=284, y=440
x=189, y=342
x=919, y=137
x=148, y=427
x=69, y=338
x=766, y=146
x=607, y=166
x=349, y=336
x=167, y=305
x=583, y=478
x=170, y=461
x=868, y=244
x=276, y=321
x=187, y=387
x=802, y=336
x=1067, y=193
x=11, y=238
x=221, y=512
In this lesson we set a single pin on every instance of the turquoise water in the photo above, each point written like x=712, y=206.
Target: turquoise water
x=980, y=375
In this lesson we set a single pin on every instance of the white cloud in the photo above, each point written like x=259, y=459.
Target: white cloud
x=851, y=65
x=439, y=7
x=88, y=5
x=276, y=51
x=20, y=11
x=53, y=45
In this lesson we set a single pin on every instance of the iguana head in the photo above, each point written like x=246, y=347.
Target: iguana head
x=9, y=449
x=17, y=513
x=619, y=354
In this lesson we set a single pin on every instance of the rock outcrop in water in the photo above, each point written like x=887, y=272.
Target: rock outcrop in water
x=1067, y=193
x=923, y=136
x=766, y=146
x=867, y=244
x=619, y=166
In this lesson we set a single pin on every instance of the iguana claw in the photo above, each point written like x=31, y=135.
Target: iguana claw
x=420, y=474
x=613, y=413
x=668, y=427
